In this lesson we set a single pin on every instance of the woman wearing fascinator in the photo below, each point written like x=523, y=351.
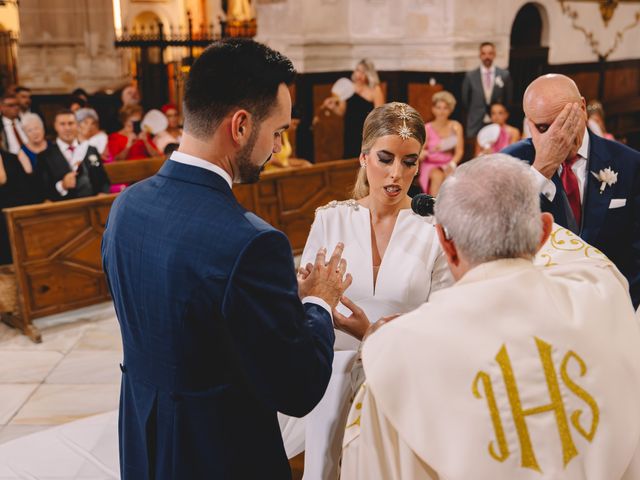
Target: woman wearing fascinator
x=353, y=100
x=393, y=256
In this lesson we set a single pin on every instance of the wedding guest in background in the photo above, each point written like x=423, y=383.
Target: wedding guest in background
x=444, y=146
x=595, y=122
x=483, y=86
x=37, y=142
x=82, y=94
x=367, y=95
x=89, y=130
x=130, y=95
x=507, y=135
x=23, y=95
x=12, y=134
x=131, y=143
x=71, y=169
x=172, y=135
x=20, y=184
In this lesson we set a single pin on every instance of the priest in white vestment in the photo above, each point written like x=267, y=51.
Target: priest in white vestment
x=522, y=370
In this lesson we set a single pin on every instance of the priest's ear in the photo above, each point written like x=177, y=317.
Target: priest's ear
x=547, y=228
x=448, y=246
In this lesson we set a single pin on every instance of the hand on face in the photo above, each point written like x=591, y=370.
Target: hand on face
x=554, y=145
x=326, y=280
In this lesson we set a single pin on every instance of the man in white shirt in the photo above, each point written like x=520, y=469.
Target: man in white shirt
x=483, y=86
x=71, y=169
x=522, y=370
x=13, y=136
x=214, y=323
x=590, y=184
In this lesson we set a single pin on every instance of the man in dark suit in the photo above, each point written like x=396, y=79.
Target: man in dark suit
x=216, y=337
x=482, y=87
x=591, y=185
x=71, y=169
x=12, y=136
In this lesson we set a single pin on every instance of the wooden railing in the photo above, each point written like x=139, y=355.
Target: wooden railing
x=56, y=246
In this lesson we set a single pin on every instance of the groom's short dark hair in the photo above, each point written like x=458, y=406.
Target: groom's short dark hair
x=233, y=73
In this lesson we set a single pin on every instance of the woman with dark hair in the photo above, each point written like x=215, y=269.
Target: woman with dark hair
x=506, y=133
x=131, y=143
x=394, y=258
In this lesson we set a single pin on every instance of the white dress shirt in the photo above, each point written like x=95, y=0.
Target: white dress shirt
x=13, y=143
x=546, y=185
x=187, y=159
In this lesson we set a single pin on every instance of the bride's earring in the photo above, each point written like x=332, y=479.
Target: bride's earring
x=363, y=165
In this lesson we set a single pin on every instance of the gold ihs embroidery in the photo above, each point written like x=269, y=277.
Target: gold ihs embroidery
x=556, y=406
x=495, y=416
x=582, y=395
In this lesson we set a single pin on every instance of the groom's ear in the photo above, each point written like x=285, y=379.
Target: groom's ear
x=448, y=246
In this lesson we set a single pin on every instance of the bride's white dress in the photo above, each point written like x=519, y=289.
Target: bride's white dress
x=413, y=266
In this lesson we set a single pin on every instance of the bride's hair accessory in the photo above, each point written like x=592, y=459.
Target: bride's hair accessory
x=404, y=131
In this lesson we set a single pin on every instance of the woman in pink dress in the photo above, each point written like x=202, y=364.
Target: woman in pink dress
x=508, y=134
x=444, y=147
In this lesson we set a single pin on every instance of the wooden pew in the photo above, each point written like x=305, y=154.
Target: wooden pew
x=131, y=171
x=56, y=246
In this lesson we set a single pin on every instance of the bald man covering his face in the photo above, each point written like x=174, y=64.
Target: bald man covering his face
x=591, y=185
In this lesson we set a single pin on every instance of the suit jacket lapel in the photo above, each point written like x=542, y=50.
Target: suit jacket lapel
x=59, y=165
x=477, y=78
x=596, y=203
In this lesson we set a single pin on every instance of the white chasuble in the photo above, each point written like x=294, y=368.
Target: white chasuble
x=518, y=371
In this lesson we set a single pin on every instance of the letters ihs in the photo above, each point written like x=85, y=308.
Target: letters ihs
x=556, y=407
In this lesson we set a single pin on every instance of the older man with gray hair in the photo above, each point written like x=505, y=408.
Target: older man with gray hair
x=527, y=368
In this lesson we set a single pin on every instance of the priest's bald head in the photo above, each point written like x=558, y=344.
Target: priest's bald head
x=488, y=210
x=546, y=97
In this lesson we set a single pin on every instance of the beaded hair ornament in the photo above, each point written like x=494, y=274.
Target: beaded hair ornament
x=403, y=130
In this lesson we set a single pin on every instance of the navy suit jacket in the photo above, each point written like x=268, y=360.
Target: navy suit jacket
x=216, y=340
x=614, y=231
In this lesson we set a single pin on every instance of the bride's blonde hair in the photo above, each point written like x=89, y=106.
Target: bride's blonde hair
x=387, y=119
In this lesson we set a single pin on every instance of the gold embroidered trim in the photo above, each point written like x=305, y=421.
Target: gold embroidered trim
x=335, y=203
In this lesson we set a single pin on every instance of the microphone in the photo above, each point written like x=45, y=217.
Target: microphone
x=423, y=204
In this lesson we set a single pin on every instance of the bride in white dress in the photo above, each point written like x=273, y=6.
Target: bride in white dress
x=394, y=258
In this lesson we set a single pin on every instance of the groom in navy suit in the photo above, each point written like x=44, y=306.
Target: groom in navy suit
x=219, y=335
x=591, y=185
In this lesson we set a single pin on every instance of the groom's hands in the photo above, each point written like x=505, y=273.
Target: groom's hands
x=325, y=280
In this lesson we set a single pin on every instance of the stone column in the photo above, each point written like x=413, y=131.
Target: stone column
x=66, y=44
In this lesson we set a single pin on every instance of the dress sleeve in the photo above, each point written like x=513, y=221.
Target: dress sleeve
x=315, y=240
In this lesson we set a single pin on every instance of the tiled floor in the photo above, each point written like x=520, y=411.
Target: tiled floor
x=71, y=375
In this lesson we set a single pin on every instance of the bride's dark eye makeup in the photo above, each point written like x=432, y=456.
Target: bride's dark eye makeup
x=385, y=157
